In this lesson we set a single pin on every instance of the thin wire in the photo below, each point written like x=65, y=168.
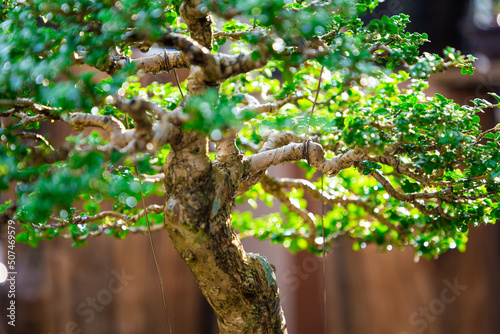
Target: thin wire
x=306, y=139
x=324, y=250
x=154, y=252
x=165, y=55
x=315, y=101
x=178, y=84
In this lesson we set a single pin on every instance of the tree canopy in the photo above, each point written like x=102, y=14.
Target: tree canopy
x=401, y=168
x=314, y=83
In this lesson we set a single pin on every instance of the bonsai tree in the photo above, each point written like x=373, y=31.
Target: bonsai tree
x=269, y=82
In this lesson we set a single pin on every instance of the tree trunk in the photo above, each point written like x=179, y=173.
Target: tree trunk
x=241, y=287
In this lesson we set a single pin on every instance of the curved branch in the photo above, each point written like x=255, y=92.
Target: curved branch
x=482, y=134
x=412, y=198
x=234, y=36
x=119, y=136
x=18, y=106
x=271, y=186
x=270, y=107
x=313, y=152
x=37, y=137
x=143, y=131
x=316, y=194
x=277, y=139
x=145, y=136
x=401, y=168
x=153, y=208
x=102, y=229
x=161, y=62
x=158, y=63
x=23, y=103
x=231, y=65
x=39, y=157
x=123, y=219
x=212, y=70
x=195, y=53
x=274, y=140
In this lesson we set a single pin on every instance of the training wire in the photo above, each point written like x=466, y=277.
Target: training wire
x=165, y=56
x=306, y=139
x=324, y=249
x=153, y=251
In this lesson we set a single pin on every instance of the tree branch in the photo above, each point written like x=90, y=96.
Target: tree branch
x=199, y=22
x=43, y=112
x=274, y=140
x=313, y=152
x=234, y=36
x=157, y=178
x=39, y=157
x=412, y=198
x=158, y=63
x=35, y=136
x=231, y=65
x=102, y=229
x=118, y=135
x=271, y=186
x=270, y=107
x=316, y=194
x=122, y=220
x=277, y=139
x=161, y=62
x=195, y=53
x=145, y=136
x=219, y=67
x=143, y=131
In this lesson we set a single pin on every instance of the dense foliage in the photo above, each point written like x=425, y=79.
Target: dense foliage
x=429, y=172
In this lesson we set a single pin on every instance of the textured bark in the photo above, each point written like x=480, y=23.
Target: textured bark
x=312, y=152
x=240, y=287
x=199, y=22
x=161, y=62
x=157, y=63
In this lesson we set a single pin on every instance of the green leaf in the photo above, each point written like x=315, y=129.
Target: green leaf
x=410, y=187
x=466, y=70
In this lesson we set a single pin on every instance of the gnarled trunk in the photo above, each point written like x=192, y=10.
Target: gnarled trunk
x=241, y=287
